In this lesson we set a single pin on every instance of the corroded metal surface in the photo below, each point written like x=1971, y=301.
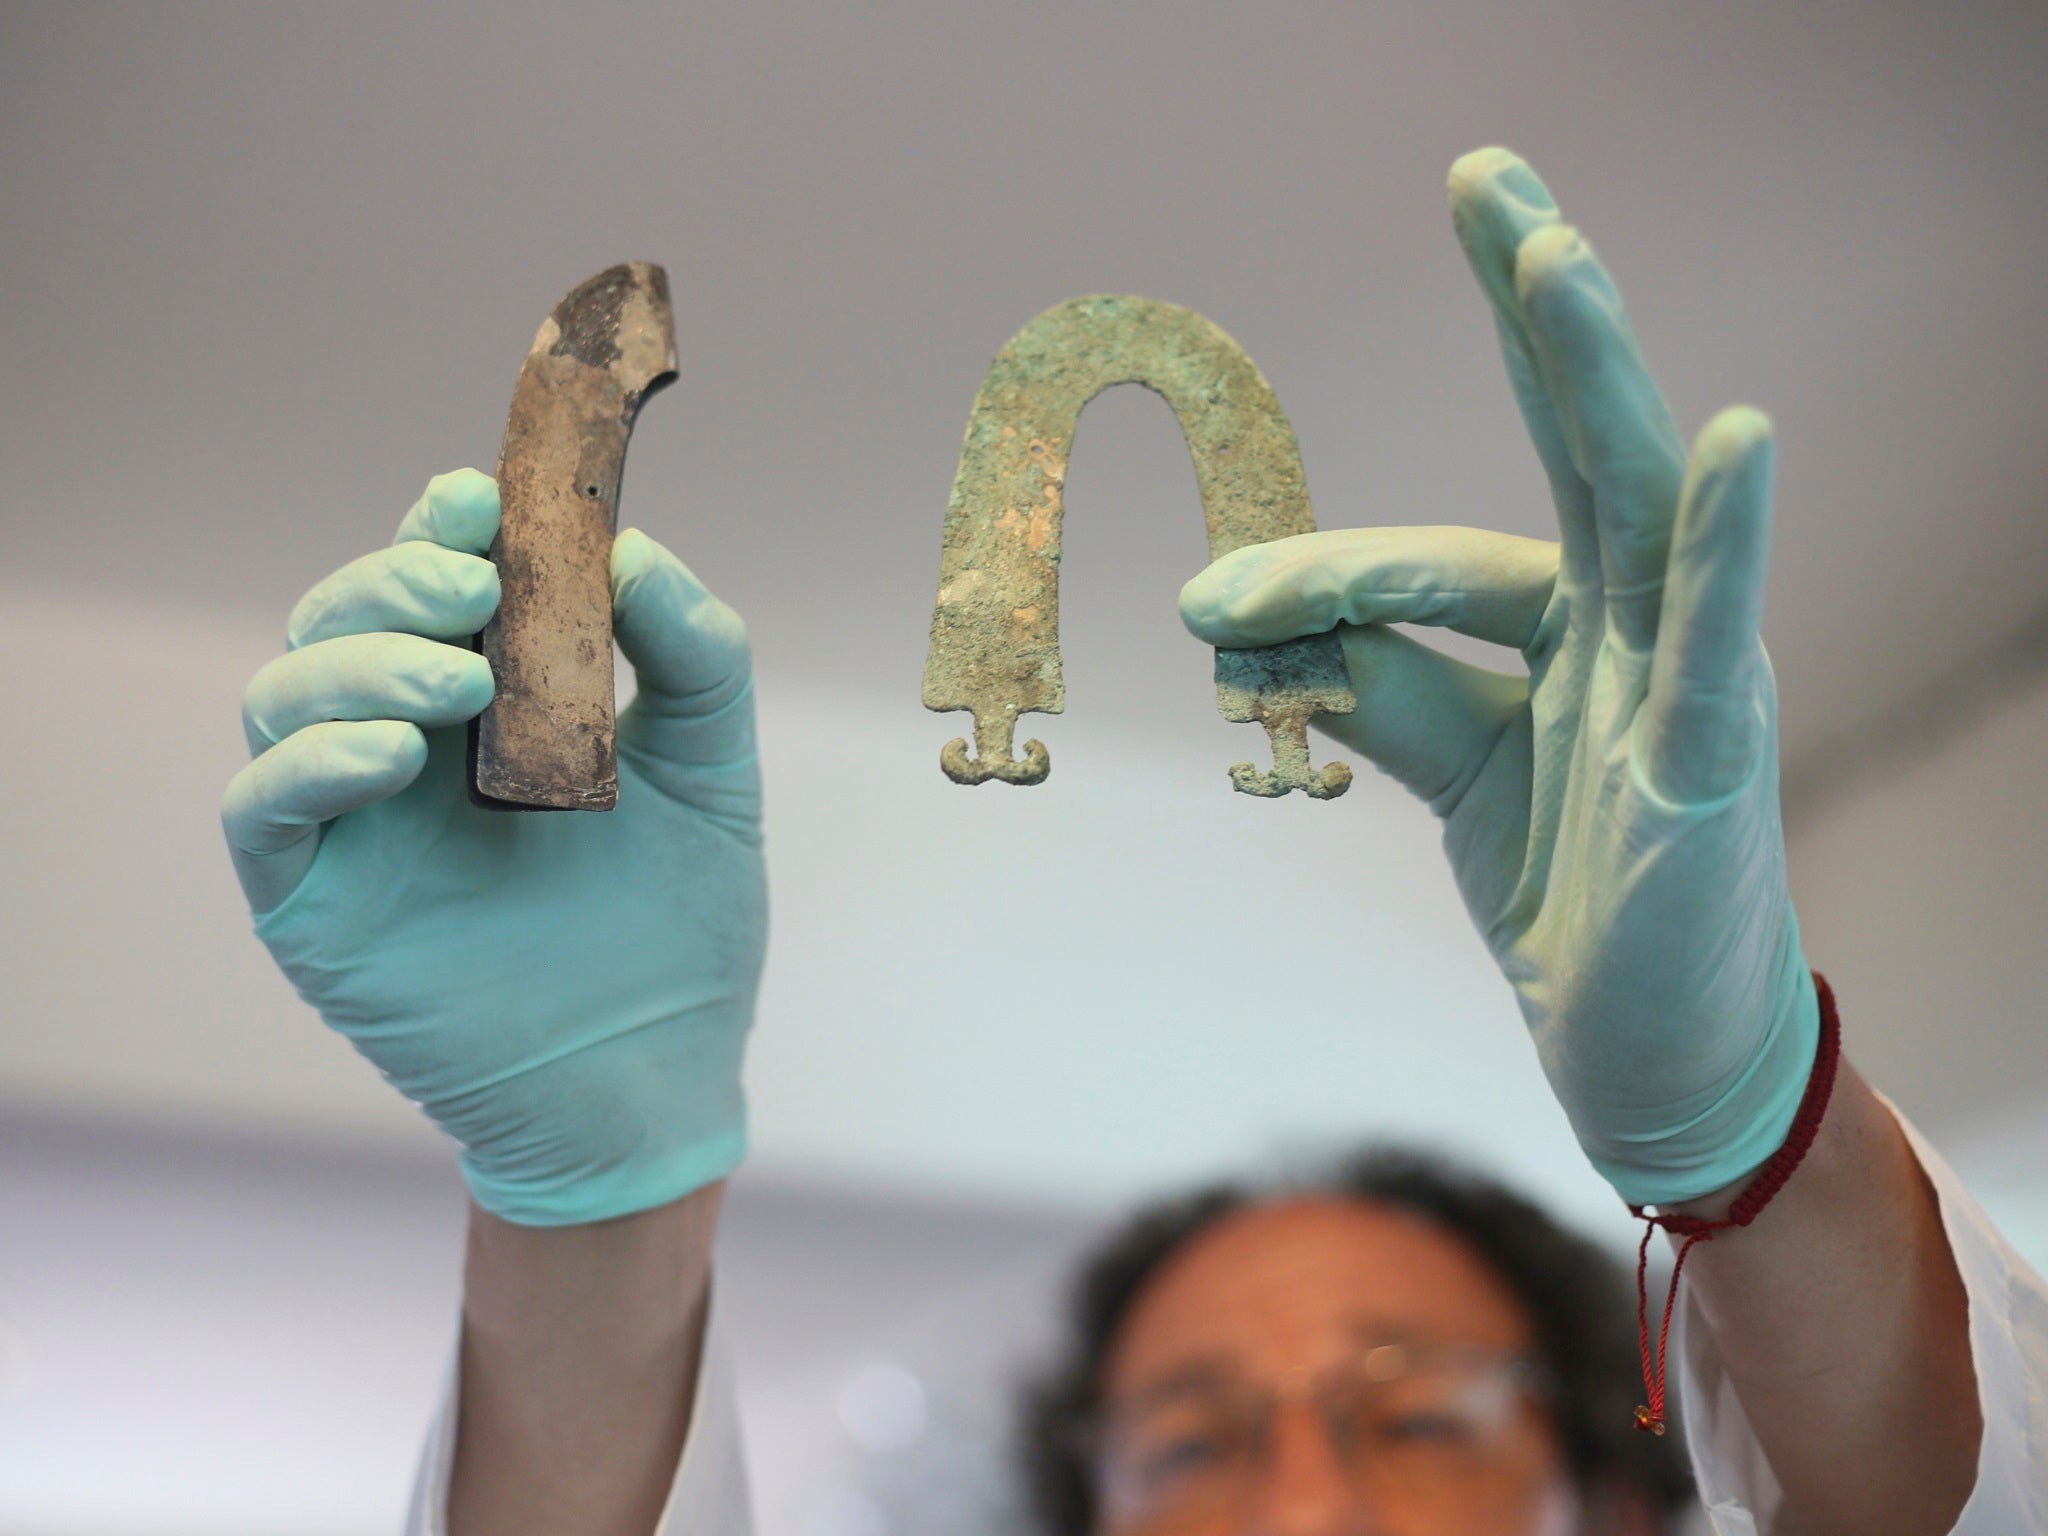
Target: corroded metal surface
x=547, y=740
x=995, y=629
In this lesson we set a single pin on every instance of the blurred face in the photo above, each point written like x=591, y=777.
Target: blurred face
x=1327, y=1367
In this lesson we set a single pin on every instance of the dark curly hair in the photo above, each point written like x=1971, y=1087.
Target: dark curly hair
x=1579, y=1299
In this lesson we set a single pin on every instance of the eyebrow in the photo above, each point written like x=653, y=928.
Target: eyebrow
x=1220, y=1368
x=1200, y=1371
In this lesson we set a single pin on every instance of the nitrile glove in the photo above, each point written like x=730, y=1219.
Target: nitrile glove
x=1612, y=819
x=566, y=994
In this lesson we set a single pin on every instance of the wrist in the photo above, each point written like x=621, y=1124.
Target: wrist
x=1737, y=1126
x=613, y=1128
x=635, y=1280
x=581, y=1347
x=594, y=1198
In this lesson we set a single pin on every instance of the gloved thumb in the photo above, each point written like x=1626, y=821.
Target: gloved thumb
x=690, y=655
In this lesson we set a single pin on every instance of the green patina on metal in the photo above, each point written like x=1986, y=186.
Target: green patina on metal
x=995, y=630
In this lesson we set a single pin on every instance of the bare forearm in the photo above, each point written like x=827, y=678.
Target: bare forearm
x=1844, y=1329
x=580, y=1351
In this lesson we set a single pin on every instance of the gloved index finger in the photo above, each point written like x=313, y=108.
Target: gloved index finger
x=1492, y=586
x=457, y=511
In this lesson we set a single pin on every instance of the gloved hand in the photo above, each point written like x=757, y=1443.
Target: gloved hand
x=566, y=994
x=1612, y=819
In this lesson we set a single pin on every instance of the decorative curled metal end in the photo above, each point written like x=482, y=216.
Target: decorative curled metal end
x=962, y=769
x=994, y=731
x=1283, y=687
x=1292, y=768
x=995, y=627
x=1287, y=774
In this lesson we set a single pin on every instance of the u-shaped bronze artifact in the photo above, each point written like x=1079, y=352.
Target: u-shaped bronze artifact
x=995, y=630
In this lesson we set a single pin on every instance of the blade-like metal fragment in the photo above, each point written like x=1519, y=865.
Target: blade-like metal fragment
x=547, y=740
x=995, y=628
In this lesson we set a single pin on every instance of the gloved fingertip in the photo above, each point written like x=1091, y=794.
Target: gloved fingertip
x=471, y=685
x=641, y=577
x=458, y=510
x=633, y=553
x=303, y=622
x=1548, y=259
x=432, y=589
x=1734, y=434
x=638, y=556
x=464, y=490
x=1199, y=617
x=656, y=597
x=1478, y=170
x=412, y=744
x=1496, y=181
x=484, y=587
x=1209, y=598
x=442, y=574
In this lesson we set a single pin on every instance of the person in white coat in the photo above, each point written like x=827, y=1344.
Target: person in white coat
x=569, y=998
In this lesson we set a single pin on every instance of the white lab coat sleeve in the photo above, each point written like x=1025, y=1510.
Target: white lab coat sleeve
x=709, y=1495
x=2008, y=1346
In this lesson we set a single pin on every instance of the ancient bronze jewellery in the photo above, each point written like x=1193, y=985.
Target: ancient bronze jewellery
x=995, y=629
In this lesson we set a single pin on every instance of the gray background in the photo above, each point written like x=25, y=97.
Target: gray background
x=265, y=269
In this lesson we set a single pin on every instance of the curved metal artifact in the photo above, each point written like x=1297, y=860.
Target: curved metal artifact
x=995, y=629
x=546, y=741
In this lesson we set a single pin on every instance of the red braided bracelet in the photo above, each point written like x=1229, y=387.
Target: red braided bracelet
x=1741, y=1211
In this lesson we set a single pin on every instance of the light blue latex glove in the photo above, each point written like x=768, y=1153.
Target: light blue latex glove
x=1612, y=819
x=566, y=994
